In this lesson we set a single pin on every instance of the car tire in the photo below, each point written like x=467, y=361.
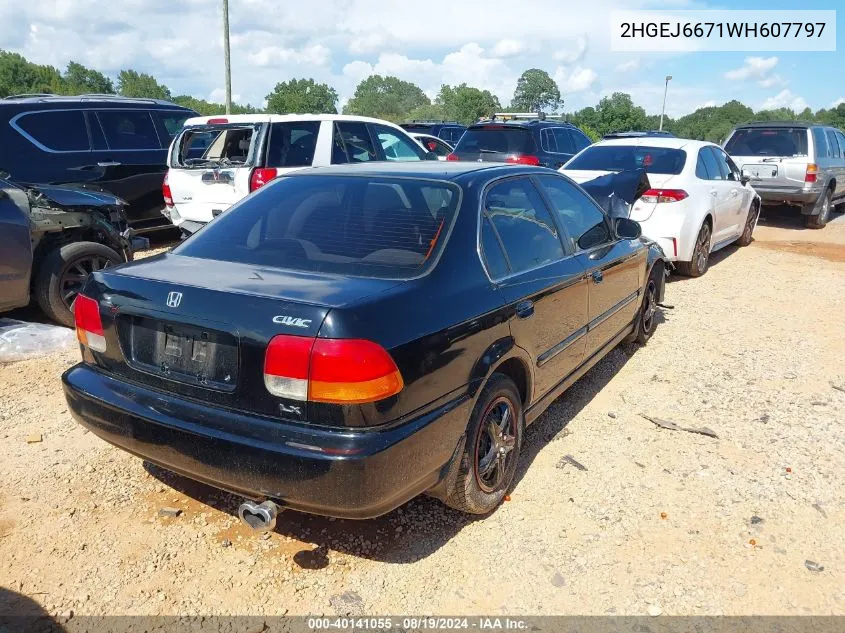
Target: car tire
x=700, y=254
x=489, y=460
x=819, y=220
x=63, y=273
x=646, y=323
x=748, y=230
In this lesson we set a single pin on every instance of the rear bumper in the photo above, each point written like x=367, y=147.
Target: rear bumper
x=781, y=195
x=364, y=473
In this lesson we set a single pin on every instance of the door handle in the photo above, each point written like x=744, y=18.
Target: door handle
x=524, y=309
x=109, y=163
x=714, y=193
x=598, y=276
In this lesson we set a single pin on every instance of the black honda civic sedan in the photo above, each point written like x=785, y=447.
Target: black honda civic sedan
x=347, y=338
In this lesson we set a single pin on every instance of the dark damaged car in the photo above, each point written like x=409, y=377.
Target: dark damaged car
x=350, y=337
x=52, y=237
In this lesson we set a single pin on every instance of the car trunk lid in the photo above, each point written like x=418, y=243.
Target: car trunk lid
x=165, y=330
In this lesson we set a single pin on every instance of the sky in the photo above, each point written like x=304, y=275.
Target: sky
x=485, y=43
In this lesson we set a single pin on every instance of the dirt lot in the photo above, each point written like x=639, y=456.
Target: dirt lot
x=659, y=521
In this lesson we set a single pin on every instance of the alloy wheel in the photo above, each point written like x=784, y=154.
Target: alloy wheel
x=649, y=306
x=495, y=443
x=75, y=274
x=702, y=247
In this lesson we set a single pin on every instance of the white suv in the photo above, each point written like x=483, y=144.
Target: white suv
x=216, y=161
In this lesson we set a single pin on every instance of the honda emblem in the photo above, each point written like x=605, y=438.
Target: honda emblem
x=174, y=299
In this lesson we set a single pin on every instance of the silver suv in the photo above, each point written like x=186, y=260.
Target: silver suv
x=800, y=164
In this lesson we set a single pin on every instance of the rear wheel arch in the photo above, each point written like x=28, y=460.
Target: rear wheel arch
x=516, y=369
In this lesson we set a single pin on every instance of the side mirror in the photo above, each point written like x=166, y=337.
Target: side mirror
x=628, y=229
x=744, y=179
x=430, y=156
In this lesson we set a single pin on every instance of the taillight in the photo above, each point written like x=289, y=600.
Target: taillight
x=261, y=176
x=339, y=371
x=522, y=159
x=89, y=325
x=664, y=195
x=452, y=157
x=165, y=190
x=812, y=173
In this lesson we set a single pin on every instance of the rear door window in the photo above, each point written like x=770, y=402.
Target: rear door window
x=727, y=169
x=835, y=151
x=840, y=137
x=523, y=224
x=172, y=121
x=701, y=167
x=292, y=144
x=768, y=141
x=352, y=143
x=564, y=141
x=366, y=226
x=56, y=130
x=580, y=140
x=712, y=164
x=396, y=146
x=820, y=142
x=128, y=129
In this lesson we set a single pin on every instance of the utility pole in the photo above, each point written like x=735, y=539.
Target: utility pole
x=226, y=56
x=665, y=90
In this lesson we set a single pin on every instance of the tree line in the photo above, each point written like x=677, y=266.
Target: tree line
x=395, y=99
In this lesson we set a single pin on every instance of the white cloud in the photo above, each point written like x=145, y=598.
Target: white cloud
x=368, y=43
x=772, y=81
x=837, y=102
x=508, y=48
x=577, y=80
x=707, y=104
x=218, y=95
x=573, y=54
x=630, y=66
x=316, y=55
x=753, y=68
x=784, y=99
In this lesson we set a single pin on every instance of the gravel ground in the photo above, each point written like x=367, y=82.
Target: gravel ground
x=658, y=521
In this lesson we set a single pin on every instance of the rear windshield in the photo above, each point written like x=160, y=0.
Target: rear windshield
x=496, y=139
x=366, y=226
x=768, y=141
x=655, y=160
x=205, y=146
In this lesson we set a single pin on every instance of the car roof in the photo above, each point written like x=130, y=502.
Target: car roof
x=522, y=123
x=802, y=124
x=286, y=118
x=427, y=169
x=88, y=100
x=655, y=141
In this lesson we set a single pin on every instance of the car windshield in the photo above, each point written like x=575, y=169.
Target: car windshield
x=655, y=160
x=768, y=141
x=367, y=226
x=496, y=139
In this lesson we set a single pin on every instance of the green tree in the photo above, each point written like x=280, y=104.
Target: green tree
x=81, y=80
x=536, y=91
x=19, y=76
x=429, y=112
x=385, y=98
x=300, y=96
x=617, y=113
x=467, y=104
x=833, y=116
x=207, y=108
x=131, y=83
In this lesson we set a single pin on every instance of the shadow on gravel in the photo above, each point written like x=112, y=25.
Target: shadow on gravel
x=715, y=259
x=408, y=534
x=22, y=614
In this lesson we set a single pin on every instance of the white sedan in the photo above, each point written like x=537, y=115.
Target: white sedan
x=698, y=201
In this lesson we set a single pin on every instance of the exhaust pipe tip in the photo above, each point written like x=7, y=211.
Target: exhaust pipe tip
x=259, y=517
